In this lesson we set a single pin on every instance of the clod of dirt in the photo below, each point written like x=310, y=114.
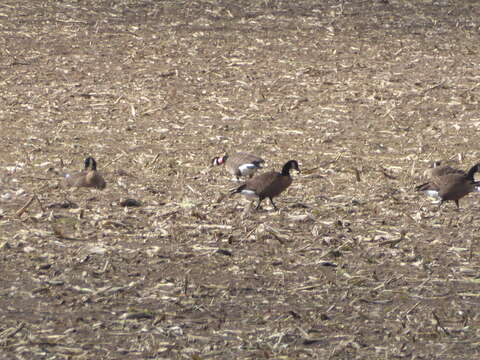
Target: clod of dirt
x=224, y=252
x=62, y=205
x=130, y=203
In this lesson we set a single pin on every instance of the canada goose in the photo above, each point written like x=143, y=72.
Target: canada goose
x=89, y=177
x=240, y=164
x=268, y=185
x=447, y=183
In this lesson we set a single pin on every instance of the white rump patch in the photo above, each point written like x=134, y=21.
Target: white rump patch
x=249, y=193
x=247, y=169
x=477, y=189
x=432, y=193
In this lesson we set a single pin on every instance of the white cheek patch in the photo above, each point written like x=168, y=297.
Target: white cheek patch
x=249, y=194
x=247, y=169
x=432, y=193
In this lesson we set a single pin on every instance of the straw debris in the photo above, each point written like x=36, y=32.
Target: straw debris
x=366, y=95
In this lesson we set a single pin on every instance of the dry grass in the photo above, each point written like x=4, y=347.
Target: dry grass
x=355, y=265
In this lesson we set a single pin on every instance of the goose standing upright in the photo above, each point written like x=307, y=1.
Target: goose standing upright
x=268, y=185
x=450, y=184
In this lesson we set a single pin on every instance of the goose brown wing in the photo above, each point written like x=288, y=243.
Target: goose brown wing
x=238, y=159
x=75, y=179
x=454, y=186
x=440, y=177
x=263, y=182
x=94, y=179
x=446, y=170
x=430, y=185
x=269, y=184
x=246, y=157
x=447, y=180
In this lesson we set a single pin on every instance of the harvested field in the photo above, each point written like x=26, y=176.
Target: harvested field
x=354, y=265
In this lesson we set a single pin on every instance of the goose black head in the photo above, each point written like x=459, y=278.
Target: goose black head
x=90, y=163
x=257, y=163
x=474, y=169
x=291, y=164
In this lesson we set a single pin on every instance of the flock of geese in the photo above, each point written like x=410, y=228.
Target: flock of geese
x=445, y=183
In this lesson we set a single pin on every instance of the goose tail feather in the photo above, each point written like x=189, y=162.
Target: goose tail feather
x=237, y=190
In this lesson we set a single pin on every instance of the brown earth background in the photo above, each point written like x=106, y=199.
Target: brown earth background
x=355, y=265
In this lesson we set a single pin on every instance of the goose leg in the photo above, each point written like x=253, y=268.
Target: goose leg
x=273, y=204
x=458, y=205
x=259, y=202
x=440, y=205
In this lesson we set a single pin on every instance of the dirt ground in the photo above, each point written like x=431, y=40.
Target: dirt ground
x=354, y=265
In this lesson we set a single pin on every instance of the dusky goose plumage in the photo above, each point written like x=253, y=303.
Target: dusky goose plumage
x=438, y=169
x=240, y=164
x=89, y=177
x=268, y=185
x=450, y=184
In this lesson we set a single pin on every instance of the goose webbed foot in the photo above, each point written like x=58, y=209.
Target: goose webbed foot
x=273, y=204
